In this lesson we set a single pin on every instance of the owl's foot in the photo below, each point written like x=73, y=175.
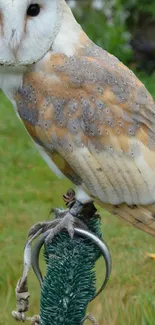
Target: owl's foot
x=68, y=222
x=76, y=215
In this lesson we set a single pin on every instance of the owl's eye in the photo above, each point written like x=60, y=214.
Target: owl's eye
x=33, y=10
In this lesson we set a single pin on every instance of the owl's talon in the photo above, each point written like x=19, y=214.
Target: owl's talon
x=35, y=228
x=66, y=223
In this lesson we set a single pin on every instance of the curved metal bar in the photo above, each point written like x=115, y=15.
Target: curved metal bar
x=84, y=233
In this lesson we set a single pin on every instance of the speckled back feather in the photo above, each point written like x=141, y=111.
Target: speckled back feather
x=96, y=121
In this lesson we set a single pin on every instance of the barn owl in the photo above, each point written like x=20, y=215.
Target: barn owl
x=92, y=120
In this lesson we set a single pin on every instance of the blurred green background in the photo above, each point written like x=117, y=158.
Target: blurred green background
x=28, y=189
x=125, y=28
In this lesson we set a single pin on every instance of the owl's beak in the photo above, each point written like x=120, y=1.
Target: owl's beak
x=13, y=32
x=14, y=42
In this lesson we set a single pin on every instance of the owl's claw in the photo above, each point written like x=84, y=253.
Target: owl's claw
x=64, y=218
x=42, y=226
x=66, y=223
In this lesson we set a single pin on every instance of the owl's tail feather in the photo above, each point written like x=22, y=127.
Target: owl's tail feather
x=142, y=217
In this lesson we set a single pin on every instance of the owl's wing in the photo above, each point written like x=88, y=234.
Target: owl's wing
x=111, y=123
x=106, y=123
x=100, y=119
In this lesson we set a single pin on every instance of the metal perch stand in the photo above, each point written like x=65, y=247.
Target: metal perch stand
x=70, y=281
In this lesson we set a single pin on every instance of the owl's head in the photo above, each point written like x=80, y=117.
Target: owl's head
x=28, y=29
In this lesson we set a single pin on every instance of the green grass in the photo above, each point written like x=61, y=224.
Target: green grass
x=28, y=190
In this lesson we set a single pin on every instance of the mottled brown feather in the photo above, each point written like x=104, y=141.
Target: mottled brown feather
x=96, y=121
